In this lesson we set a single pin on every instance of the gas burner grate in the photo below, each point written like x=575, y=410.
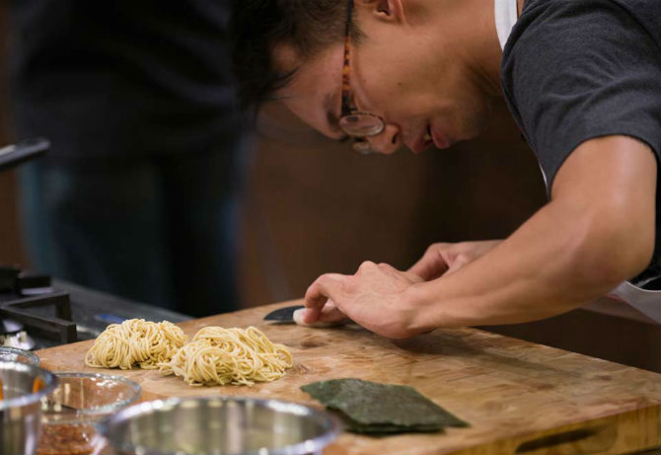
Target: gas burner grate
x=59, y=327
x=23, y=298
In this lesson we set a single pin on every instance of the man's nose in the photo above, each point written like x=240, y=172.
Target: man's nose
x=388, y=141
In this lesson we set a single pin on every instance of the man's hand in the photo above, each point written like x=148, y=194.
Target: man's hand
x=447, y=258
x=374, y=297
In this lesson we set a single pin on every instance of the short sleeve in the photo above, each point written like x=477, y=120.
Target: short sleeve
x=576, y=70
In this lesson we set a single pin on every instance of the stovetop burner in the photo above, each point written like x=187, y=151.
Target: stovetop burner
x=29, y=301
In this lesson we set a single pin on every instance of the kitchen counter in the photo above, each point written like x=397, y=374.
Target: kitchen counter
x=519, y=397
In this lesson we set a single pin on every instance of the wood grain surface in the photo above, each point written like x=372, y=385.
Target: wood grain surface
x=519, y=397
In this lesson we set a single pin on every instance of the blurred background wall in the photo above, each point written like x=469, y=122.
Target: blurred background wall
x=314, y=206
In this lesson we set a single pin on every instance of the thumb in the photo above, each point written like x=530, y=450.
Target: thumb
x=330, y=316
x=430, y=266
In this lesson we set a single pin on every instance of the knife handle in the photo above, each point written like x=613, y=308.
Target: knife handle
x=298, y=319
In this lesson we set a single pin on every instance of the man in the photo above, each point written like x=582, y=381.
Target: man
x=582, y=80
x=139, y=193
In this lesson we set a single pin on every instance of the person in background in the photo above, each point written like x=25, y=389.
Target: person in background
x=581, y=78
x=139, y=193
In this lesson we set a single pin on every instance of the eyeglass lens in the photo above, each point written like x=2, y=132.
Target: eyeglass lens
x=361, y=125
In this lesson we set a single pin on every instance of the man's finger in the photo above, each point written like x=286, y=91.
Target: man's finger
x=330, y=316
x=328, y=286
x=331, y=313
x=392, y=271
x=430, y=266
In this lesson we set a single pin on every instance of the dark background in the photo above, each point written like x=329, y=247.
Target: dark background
x=314, y=206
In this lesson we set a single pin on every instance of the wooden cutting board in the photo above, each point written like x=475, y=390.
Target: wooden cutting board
x=519, y=397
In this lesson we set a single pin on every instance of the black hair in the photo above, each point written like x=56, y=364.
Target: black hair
x=257, y=26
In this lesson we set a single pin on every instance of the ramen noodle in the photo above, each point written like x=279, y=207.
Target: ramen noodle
x=229, y=356
x=135, y=343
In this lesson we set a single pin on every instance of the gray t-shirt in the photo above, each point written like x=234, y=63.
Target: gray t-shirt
x=573, y=70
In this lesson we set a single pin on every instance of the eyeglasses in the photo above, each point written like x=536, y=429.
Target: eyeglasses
x=355, y=123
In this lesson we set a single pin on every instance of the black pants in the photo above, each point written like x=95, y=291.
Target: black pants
x=161, y=230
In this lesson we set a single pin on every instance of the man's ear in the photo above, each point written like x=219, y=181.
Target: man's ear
x=384, y=10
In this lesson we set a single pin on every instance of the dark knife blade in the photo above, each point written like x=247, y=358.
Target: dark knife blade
x=285, y=314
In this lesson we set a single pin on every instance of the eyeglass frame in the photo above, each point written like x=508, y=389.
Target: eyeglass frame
x=348, y=108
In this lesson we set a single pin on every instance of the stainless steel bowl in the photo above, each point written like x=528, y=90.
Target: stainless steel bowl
x=20, y=408
x=221, y=425
x=11, y=354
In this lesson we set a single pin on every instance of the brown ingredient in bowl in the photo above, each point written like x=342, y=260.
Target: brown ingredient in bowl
x=66, y=439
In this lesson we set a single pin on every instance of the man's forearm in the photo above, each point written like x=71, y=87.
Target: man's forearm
x=555, y=262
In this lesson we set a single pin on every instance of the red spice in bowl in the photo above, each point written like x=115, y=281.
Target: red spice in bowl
x=71, y=412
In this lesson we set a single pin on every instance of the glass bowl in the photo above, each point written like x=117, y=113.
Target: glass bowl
x=71, y=413
x=11, y=354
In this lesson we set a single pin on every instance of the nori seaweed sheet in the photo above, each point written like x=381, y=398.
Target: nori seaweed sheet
x=370, y=407
x=381, y=429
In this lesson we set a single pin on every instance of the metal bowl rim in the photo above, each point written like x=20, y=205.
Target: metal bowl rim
x=34, y=358
x=30, y=398
x=334, y=424
x=107, y=408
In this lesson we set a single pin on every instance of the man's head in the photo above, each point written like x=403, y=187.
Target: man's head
x=428, y=68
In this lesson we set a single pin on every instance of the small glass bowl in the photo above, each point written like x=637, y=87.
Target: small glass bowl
x=72, y=411
x=11, y=354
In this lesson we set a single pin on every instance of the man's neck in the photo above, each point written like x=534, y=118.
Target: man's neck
x=487, y=50
x=472, y=24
